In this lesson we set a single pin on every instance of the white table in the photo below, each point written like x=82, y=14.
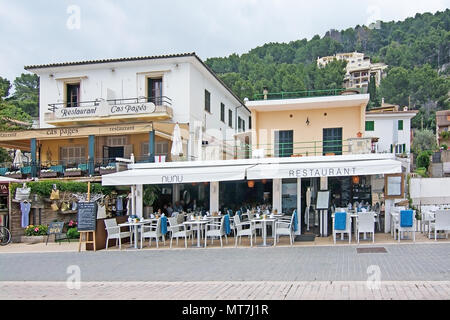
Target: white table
x=199, y=224
x=135, y=226
x=264, y=222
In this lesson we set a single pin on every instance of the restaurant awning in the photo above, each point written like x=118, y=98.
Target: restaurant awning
x=323, y=169
x=176, y=175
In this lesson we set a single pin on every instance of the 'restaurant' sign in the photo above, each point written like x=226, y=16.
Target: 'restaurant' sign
x=105, y=110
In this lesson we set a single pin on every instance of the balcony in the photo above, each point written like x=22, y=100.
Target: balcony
x=307, y=148
x=110, y=111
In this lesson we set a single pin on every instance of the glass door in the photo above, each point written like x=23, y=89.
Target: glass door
x=289, y=195
x=154, y=93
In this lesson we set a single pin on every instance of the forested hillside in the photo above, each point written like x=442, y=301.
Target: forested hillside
x=417, y=51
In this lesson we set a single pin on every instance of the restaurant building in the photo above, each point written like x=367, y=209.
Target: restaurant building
x=93, y=112
x=296, y=145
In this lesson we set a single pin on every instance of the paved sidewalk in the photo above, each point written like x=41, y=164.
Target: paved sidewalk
x=228, y=290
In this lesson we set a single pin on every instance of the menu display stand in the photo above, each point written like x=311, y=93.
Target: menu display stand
x=323, y=200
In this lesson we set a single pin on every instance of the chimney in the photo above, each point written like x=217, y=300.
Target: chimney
x=265, y=92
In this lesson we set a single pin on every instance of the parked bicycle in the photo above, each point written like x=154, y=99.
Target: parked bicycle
x=5, y=236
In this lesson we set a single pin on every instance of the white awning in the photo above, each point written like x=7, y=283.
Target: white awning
x=323, y=169
x=176, y=175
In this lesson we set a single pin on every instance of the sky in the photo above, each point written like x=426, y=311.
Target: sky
x=41, y=32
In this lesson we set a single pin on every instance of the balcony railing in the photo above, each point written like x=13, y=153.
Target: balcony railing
x=300, y=94
x=307, y=148
x=158, y=101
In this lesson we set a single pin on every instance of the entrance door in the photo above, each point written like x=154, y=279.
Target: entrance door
x=116, y=152
x=289, y=196
x=154, y=93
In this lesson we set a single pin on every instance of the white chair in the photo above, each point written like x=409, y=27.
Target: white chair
x=347, y=230
x=365, y=223
x=284, y=228
x=179, y=230
x=152, y=232
x=113, y=232
x=442, y=223
x=250, y=232
x=399, y=228
x=212, y=231
x=427, y=218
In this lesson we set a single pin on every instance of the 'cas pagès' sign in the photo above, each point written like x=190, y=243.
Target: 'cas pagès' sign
x=105, y=109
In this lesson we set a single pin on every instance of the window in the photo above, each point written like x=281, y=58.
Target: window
x=161, y=148
x=154, y=91
x=73, y=154
x=284, y=143
x=239, y=124
x=400, y=148
x=400, y=125
x=116, y=141
x=243, y=125
x=207, y=101
x=230, y=118
x=249, y=122
x=370, y=125
x=222, y=112
x=73, y=94
x=332, y=141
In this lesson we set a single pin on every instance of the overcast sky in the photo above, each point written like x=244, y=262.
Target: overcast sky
x=40, y=32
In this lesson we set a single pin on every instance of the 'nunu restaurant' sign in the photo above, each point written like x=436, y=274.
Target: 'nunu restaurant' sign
x=322, y=172
x=105, y=110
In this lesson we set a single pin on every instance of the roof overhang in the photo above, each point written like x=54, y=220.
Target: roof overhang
x=328, y=102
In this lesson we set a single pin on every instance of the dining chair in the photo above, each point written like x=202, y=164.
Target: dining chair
x=284, y=228
x=365, y=223
x=406, y=222
x=343, y=226
x=212, y=231
x=180, y=230
x=250, y=232
x=441, y=223
x=152, y=232
x=113, y=232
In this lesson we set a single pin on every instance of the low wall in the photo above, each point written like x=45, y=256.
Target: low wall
x=430, y=190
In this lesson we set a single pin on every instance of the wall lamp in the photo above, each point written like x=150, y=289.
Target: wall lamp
x=307, y=121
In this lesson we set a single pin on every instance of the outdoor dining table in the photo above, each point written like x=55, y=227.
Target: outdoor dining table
x=199, y=224
x=135, y=226
x=354, y=216
x=264, y=223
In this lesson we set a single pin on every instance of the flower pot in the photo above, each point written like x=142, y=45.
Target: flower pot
x=36, y=239
x=48, y=174
x=107, y=171
x=72, y=173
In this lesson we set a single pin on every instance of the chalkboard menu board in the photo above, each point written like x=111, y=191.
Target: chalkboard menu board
x=87, y=216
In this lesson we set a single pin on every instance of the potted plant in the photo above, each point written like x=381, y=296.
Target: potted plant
x=149, y=197
x=14, y=174
x=72, y=172
x=107, y=170
x=34, y=234
x=48, y=173
x=72, y=230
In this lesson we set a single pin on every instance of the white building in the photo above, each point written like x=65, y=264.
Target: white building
x=359, y=69
x=392, y=126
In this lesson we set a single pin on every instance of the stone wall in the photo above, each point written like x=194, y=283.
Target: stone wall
x=47, y=216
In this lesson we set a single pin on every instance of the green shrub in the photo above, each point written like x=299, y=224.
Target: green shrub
x=444, y=146
x=422, y=172
x=423, y=160
x=72, y=233
x=44, y=188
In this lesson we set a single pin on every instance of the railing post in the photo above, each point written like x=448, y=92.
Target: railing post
x=33, y=158
x=151, y=146
x=91, y=156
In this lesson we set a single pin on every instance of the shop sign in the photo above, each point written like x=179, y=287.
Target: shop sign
x=322, y=172
x=178, y=178
x=105, y=110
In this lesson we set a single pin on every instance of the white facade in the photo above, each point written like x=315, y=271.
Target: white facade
x=386, y=128
x=184, y=81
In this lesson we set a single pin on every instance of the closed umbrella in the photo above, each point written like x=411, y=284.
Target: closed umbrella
x=177, y=145
x=18, y=162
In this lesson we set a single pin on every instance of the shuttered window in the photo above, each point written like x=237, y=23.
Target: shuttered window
x=73, y=154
